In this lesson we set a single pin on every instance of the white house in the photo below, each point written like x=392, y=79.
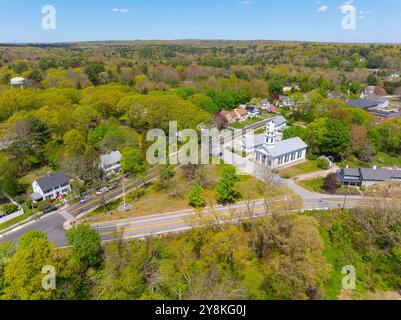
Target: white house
x=280, y=122
x=249, y=143
x=18, y=82
x=282, y=153
x=285, y=102
x=111, y=162
x=52, y=187
x=265, y=105
x=253, y=111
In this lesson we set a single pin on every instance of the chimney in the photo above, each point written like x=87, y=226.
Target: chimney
x=49, y=173
x=374, y=167
x=347, y=166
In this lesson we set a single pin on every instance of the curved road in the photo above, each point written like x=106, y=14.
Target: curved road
x=52, y=224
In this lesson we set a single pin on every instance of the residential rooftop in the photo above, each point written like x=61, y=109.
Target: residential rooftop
x=53, y=181
x=362, y=103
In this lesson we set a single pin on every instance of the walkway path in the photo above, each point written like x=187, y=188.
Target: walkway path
x=316, y=174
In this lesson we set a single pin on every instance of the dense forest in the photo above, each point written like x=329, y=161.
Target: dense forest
x=87, y=99
x=83, y=100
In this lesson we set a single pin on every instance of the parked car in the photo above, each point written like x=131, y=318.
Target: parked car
x=114, y=187
x=86, y=199
x=103, y=190
x=50, y=209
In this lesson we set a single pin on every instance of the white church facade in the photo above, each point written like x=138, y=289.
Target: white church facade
x=277, y=154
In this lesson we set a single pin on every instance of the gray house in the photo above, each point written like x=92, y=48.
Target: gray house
x=280, y=122
x=111, y=162
x=367, y=177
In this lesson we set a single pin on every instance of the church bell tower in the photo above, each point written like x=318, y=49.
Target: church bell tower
x=271, y=134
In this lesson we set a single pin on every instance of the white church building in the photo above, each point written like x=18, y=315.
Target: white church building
x=277, y=154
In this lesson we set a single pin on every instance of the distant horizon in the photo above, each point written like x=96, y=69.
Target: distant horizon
x=199, y=40
x=321, y=21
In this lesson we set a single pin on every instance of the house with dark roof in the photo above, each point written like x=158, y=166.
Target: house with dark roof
x=367, y=177
x=51, y=187
x=375, y=105
x=362, y=103
x=369, y=101
x=253, y=111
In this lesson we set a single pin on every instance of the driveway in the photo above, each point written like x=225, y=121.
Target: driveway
x=317, y=174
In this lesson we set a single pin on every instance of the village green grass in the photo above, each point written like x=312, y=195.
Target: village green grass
x=250, y=121
x=243, y=124
x=154, y=201
x=314, y=185
x=308, y=166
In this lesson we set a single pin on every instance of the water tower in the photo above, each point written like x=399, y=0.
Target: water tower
x=18, y=82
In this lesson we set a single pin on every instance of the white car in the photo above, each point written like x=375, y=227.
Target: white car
x=86, y=199
x=103, y=190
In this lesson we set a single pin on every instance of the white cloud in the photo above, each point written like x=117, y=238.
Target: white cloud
x=347, y=6
x=120, y=10
x=245, y=2
x=322, y=8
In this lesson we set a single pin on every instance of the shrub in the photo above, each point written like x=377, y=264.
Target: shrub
x=323, y=163
x=331, y=182
x=196, y=197
x=10, y=209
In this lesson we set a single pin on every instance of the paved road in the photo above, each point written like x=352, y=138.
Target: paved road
x=169, y=222
x=53, y=224
x=185, y=220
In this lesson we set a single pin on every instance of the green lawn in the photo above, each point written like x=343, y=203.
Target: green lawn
x=314, y=185
x=382, y=159
x=153, y=201
x=243, y=124
x=32, y=176
x=385, y=160
x=10, y=223
x=302, y=168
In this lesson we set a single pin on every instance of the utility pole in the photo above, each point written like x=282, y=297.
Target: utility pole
x=345, y=198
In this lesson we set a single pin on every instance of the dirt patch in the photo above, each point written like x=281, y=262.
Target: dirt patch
x=386, y=295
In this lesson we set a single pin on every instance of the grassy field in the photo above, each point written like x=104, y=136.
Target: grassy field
x=381, y=160
x=314, y=185
x=385, y=160
x=153, y=201
x=243, y=124
x=32, y=176
x=302, y=168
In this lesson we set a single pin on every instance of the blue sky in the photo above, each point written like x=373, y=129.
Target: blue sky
x=311, y=20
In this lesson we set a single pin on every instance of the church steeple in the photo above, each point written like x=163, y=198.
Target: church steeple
x=271, y=134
